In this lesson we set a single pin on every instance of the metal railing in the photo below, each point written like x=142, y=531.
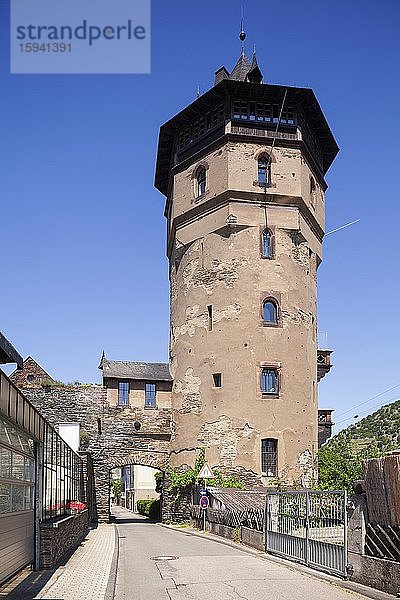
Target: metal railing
x=309, y=527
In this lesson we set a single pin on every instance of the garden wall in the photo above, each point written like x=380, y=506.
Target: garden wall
x=58, y=538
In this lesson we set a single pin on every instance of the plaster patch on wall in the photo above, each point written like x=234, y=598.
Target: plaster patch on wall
x=222, y=433
x=189, y=388
x=221, y=271
x=299, y=318
x=308, y=468
x=194, y=319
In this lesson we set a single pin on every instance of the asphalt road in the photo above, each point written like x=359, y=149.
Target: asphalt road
x=204, y=569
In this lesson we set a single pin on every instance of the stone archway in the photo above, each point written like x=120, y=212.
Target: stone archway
x=118, y=457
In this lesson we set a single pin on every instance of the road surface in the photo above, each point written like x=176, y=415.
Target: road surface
x=202, y=569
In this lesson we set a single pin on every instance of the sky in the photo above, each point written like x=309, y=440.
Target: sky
x=82, y=231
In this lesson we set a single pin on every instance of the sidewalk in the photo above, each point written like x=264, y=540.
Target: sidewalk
x=87, y=573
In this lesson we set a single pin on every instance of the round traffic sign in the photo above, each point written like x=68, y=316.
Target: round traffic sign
x=204, y=502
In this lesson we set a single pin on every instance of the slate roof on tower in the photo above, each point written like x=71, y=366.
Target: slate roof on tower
x=246, y=71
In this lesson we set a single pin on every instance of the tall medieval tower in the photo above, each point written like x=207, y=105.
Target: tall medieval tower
x=242, y=169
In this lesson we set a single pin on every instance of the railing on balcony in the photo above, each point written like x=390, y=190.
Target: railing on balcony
x=324, y=364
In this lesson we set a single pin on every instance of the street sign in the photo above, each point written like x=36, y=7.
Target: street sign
x=203, y=492
x=206, y=472
x=204, y=502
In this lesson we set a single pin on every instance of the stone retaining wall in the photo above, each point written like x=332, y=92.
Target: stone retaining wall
x=248, y=537
x=253, y=538
x=60, y=537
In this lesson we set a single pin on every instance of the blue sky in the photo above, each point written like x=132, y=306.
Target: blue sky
x=82, y=230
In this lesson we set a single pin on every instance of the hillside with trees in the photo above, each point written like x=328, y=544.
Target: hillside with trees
x=341, y=458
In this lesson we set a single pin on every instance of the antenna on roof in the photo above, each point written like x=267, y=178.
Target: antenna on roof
x=242, y=35
x=198, y=92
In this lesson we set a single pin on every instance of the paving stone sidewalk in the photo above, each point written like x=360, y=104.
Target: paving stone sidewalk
x=87, y=573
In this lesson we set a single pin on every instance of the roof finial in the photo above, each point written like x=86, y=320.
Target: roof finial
x=242, y=35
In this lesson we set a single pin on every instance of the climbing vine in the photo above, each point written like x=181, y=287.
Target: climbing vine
x=180, y=481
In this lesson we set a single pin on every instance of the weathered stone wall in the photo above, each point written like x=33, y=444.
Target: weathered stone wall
x=174, y=509
x=226, y=271
x=32, y=374
x=113, y=440
x=60, y=537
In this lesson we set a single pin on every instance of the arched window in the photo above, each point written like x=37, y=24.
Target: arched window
x=269, y=381
x=266, y=243
x=270, y=312
x=264, y=170
x=201, y=179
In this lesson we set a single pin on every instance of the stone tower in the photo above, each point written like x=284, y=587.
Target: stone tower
x=242, y=169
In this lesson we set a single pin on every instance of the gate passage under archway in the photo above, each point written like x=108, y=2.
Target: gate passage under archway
x=112, y=458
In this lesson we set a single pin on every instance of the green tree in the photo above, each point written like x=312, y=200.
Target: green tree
x=159, y=477
x=117, y=489
x=339, y=466
x=180, y=481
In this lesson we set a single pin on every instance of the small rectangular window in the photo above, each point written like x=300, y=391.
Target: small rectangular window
x=269, y=457
x=123, y=393
x=210, y=317
x=150, y=395
x=269, y=382
x=217, y=379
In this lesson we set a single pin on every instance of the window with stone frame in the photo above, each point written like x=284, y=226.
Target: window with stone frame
x=264, y=170
x=269, y=381
x=269, y=457
x=201, y=182
x=266, y=244
x=270, y=312
x=123, y=393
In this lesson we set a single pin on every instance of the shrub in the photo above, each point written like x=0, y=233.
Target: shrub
x=149, y=508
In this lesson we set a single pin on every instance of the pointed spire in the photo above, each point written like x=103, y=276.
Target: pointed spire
x=102, y=360
x=242, y=34
x=254, y=74
x=241, y=68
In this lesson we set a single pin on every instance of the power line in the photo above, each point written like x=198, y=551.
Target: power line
x=362, y=416
x=369, y=400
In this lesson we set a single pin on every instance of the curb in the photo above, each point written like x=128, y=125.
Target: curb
x=351, y=586
x=112, y=580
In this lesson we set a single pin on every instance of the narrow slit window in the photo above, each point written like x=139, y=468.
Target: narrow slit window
x=210, y=317
x=201, y=179
x=264, y=171
x=266, y=243
x=269, y=381
x=217, y=380
x=269, y=457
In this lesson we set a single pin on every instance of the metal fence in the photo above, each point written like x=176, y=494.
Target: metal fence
x=59, y=468
x=62, y=476
x=308, y=527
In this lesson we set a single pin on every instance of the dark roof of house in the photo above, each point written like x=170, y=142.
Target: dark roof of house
x=8, y=353
x=123, y=369
x=234, y=499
